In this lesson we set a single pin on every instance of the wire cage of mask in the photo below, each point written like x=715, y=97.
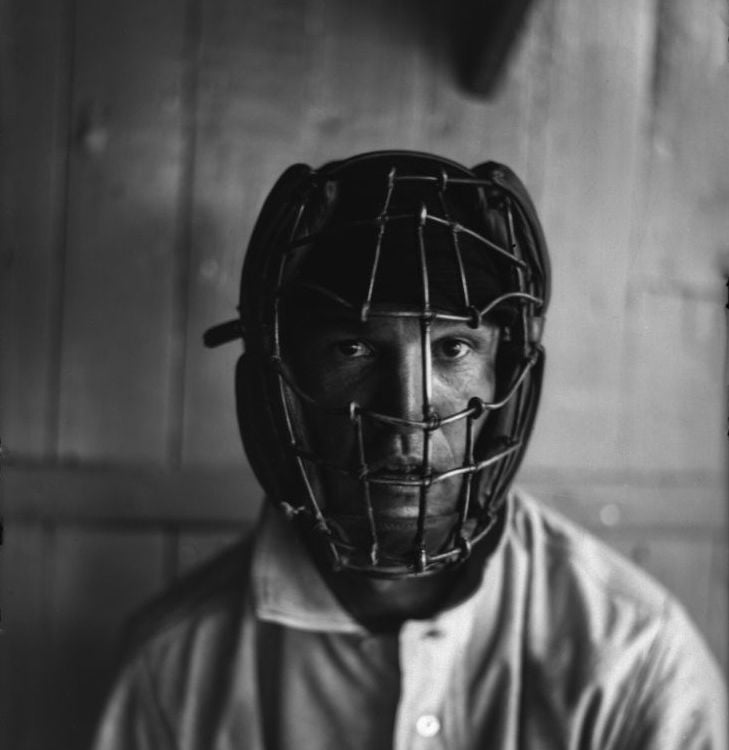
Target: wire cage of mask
x=490, y=458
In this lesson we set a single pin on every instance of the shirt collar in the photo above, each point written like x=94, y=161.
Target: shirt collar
x=289, y=590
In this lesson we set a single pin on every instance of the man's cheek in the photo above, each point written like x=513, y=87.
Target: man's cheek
x=336, y=439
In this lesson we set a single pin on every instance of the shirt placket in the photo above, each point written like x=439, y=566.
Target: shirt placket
x=431, y=655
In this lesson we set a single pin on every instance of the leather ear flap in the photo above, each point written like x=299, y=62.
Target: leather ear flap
x=504, y=178
x=256, y=423
x=275, y=218
x=513, y=421
x=262, y=423
x=516, y=417
x=255, y=385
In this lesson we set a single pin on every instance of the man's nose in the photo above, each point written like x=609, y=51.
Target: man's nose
x=402, y=389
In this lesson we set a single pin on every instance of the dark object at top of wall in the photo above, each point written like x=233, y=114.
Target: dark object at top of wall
x=486, y=32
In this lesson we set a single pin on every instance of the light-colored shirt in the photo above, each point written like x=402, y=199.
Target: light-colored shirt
x=564, y=645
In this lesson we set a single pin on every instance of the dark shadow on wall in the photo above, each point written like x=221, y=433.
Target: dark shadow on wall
x=476, y=36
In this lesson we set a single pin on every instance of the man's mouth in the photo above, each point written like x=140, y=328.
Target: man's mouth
x=395, y=489
x=397, y=471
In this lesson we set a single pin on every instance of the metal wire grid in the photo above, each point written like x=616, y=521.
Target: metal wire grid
x=419, y=561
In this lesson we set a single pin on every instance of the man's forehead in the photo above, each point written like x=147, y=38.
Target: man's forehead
x=399, y=272
x=407, y=241
x=383, y=318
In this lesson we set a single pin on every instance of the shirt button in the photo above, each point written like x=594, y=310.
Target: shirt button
x=427, y=725
x=433, y=633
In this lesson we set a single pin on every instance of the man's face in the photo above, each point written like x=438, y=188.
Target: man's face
x=378, y=365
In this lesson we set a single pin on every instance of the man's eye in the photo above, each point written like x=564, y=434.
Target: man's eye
x=451, y=349
x=352, y=349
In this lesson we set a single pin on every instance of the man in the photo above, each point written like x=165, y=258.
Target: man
x=398, y=593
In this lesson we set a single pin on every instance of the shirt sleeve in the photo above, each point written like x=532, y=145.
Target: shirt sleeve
x=680, y=701
x=133, y=718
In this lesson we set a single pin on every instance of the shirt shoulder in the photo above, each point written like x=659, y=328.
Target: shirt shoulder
x=599, y=630
x=178, y=659
x=571, y=556
x=212, y=592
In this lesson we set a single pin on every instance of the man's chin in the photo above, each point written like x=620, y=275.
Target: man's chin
x=396, y=529
x=404, y=502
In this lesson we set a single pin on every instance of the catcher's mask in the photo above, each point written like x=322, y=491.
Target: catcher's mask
x=391, y=235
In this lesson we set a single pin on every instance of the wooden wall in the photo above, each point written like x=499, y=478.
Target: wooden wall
x=138, y=140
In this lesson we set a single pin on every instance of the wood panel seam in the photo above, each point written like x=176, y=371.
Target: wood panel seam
x=192, y=47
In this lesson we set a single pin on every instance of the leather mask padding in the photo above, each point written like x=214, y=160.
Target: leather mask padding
x=261, y=419
x=343, y=253
x=514, y=421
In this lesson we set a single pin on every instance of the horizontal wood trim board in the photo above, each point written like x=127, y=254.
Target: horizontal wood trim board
x=212, y=496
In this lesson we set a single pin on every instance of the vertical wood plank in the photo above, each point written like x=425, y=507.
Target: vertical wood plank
x=599, y=99
x=507, y=126
x=313, y=82
x=674, y=407
x=121, y=275
x=35, y=69
x=99, y=578
x=685, y=224
x=253, y=89
x=368, y=89
x=674, y=415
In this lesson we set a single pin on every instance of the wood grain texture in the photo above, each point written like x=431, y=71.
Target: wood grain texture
x=674, y=412
x=508, y=126
x=685, y=222
x=347, y=78
x=127, y=496
x=253, y=81
x=368, y=89
x=675, y=405
x=598, y=105
x=121, y=271
x=35, y=62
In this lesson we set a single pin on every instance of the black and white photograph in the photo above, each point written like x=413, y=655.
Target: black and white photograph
x=364, y=374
